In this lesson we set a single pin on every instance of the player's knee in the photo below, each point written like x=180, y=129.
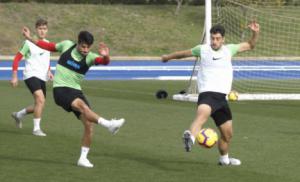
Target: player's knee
x=227, y=136
x=84, y=108
x=81, y=106
x=40, y=100
x=201, y=117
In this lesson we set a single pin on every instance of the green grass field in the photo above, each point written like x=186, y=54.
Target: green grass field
x=149, y=146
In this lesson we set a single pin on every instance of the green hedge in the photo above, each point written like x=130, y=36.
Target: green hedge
x=190, y=2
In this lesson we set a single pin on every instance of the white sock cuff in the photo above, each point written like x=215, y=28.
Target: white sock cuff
x=85, y=149
x=36, y=124
x=101, y=120
x=105, y=123
x=84, y=152
x=21, y=113
x=193, y=139
x=226, y=156
x=36, y=119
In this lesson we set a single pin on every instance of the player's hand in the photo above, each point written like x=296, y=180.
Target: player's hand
x=103, y=49
x=14, y=81
x=26, y=33
x=254, y=26
x=164, y=58
x=50, y=75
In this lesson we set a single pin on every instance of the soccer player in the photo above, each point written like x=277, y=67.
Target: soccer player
x=214, y=82
x=36, y=73
x=73, y=64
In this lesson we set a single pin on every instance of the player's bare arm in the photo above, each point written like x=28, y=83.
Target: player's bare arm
x=176, y=55
x=50, y=75
x=50, y=46
x=103, y=50
x=14, y=79
x=27, y=35
x=245, y=46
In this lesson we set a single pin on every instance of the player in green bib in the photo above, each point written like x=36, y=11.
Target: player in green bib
x=73, y=64
x=214, y=80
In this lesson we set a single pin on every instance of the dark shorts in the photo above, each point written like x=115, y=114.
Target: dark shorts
x=35, y=84
x=219, y=106
x=64, y=96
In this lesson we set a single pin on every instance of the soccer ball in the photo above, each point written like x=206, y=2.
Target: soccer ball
x=233, y=95
x=207, y=137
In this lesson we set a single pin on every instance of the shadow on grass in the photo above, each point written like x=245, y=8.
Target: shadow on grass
x=42, y=161
x=156, y=162
x=16, y=132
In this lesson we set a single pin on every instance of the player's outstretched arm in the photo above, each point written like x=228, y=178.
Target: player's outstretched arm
x=176, y=55
x=104, y=52
x=49, y=46
x=26, y=33
x=245, y=46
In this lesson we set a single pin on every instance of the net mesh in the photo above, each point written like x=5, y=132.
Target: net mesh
x=274, y=65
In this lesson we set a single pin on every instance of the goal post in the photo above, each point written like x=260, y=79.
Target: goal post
x=272, y=70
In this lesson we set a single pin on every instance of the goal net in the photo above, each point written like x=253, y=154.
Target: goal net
x=272, y=70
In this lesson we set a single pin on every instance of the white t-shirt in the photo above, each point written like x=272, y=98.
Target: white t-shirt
x=37, y=61
x=215, y=72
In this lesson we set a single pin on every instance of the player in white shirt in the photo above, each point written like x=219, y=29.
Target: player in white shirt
x=36, y=73
x=214, y=83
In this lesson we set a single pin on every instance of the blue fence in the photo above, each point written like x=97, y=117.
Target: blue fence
x=175, y=70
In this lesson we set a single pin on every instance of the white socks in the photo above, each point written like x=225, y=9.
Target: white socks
x=36, y=121
x=105, y=123
x=84, y=152
x=193, y=139
x=36, y=124
x=225, y=159
x=21, y=113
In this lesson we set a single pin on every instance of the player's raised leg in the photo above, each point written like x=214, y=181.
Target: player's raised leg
x=112, y=125
x=88, y=117
x=189, y=136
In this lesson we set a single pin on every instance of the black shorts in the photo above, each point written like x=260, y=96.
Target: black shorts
x=220, y=110
x=34, y=84
x=64, y=96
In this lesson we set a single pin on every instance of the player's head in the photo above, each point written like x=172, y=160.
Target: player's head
x=41, y=27
x=85, y=41
x=217, y=36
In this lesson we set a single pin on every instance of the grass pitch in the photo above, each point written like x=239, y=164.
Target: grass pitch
x=149, y=147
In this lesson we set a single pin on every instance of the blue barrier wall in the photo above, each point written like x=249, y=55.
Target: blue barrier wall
x=174, y=70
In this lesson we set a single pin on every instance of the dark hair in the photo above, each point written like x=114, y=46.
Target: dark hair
x=218, y=29
x=85, y=37
x=41, y=22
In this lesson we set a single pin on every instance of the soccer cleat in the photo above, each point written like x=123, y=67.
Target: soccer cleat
x=39, y=133
x=116, y=124
x=84, y=162
x=230, y=161
x=187, y=140
x=17, y=120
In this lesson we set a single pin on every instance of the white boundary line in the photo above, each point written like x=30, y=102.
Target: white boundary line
x=179, y=68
